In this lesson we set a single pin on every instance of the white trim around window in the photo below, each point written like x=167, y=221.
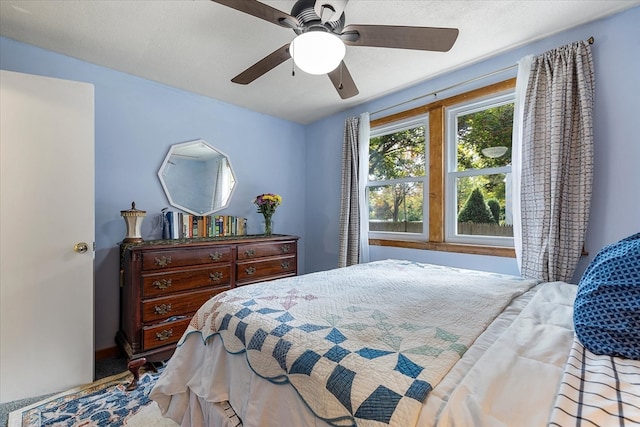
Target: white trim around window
x=452, y=174
x=422, y=120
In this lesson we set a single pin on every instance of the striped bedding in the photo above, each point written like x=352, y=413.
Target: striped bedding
x=597, y=390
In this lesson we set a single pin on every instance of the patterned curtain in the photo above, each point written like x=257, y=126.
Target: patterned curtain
x=557, y=161
x=354, y=221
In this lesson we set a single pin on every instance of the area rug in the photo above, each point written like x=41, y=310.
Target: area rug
x=104, y=403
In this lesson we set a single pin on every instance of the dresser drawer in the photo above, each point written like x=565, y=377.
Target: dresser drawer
x=157, y=260
x=158, y=284
x=158, y=309
x=258, y=250
x=251, y=271
x=164, y=333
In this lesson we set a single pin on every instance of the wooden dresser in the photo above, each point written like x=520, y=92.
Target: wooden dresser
x=164, y=282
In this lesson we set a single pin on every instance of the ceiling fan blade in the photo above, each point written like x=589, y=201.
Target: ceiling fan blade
x=263, y=66
x=419, y=38
x=262, y=11
x=343, y=82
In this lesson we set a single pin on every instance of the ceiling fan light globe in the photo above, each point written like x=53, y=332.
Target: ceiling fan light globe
x=317, y=52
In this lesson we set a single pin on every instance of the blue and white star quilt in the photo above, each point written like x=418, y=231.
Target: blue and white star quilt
x=362, y=345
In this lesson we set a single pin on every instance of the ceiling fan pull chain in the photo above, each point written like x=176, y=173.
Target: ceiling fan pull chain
x=340, y=85
x=293, y=63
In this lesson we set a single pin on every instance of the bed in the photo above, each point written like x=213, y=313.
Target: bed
x=394, y=343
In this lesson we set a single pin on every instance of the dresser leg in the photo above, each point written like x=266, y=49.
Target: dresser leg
x=134, y=367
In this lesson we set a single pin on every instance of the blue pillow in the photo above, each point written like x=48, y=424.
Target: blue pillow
x=606, y=312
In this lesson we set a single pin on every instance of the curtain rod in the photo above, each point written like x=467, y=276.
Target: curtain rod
x=590, y=40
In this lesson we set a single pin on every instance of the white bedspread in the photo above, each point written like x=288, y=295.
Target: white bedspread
x=515, y=381
x=364, y=344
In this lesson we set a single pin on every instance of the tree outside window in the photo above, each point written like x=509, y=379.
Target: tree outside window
x=397, y=169
x=443, y=166
x=480, y=166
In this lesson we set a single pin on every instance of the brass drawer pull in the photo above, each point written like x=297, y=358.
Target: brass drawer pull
x=285, y=265
x=164, y=335
x=215, y=256
x=250, y=253
x=164, y=261
x=250, y=270
x=162, y=284
x=163, y=309
x=215, y=277
x=285, y=249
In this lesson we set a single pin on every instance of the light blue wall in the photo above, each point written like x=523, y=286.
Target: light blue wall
x=615, y=211
x=136, y=122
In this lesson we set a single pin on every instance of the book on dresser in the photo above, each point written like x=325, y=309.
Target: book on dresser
x=179, y=225
x=164, y=282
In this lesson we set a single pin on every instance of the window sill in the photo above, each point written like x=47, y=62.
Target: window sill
x=447, y=247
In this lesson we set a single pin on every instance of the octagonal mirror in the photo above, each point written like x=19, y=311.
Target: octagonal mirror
x=197, y=178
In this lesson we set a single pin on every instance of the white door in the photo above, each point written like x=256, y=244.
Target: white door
x=46, y=207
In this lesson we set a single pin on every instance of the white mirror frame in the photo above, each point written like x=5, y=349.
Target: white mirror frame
x=197, y=178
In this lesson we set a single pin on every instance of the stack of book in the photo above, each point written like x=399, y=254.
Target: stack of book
x=178, y=225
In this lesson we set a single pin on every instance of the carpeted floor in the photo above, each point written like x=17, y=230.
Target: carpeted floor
x=103, y=368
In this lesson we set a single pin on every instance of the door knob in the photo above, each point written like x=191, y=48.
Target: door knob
x=81, y=247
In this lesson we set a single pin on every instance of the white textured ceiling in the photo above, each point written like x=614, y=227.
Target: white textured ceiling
x=199, y=45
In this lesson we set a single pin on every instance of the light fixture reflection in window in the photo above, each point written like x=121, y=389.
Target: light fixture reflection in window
x=494, y=152
x=317, y=52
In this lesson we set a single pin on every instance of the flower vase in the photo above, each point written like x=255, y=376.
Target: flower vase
x=267, y=225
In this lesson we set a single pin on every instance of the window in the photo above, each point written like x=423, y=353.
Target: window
x=478, y=180
x=397, y=180
x=465, y=137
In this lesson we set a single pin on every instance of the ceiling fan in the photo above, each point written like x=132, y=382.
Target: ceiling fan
x=322, y=36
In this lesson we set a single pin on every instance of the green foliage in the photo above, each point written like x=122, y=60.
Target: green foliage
x=494, y=207
x=491, y=127
x=395, y=156
x=396, y=202
x=475, y=209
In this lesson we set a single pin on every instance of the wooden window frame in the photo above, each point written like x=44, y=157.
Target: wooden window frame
x=436, y=167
